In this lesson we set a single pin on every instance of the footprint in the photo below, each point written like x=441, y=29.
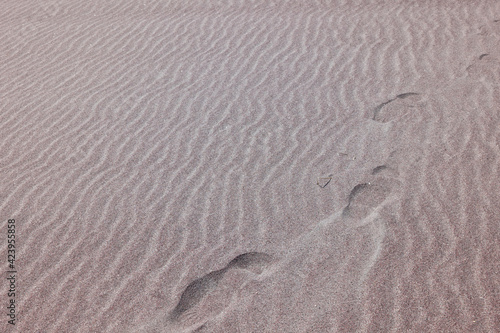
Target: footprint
x=196, y=291
x=397, y=107
x=366, y=197
x=207, y=296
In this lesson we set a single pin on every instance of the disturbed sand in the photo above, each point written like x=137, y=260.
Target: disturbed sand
x=251, y=166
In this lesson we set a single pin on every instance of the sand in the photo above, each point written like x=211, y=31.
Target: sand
x=251, y=166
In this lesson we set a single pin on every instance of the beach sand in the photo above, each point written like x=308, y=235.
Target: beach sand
x=251, y=166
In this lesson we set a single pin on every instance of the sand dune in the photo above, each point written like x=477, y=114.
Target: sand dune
x=251, y=166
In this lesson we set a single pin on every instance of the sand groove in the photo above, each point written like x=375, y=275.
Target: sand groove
x=161, y=159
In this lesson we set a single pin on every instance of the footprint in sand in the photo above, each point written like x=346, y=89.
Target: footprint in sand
x=254, y=262
x=196, y=291
x=401, y=105
x=193, y=310
x=364, y=198
x=382, y=185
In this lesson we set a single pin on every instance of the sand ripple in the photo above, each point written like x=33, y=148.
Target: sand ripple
x=161, y=159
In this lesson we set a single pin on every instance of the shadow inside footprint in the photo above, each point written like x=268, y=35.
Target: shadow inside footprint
x=252, y=261
x=377, y=110
x=196, y=291
x=405, y=95
x=379, y=169
x=202, y=328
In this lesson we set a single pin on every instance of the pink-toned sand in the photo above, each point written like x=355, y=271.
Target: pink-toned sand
x=251, y=166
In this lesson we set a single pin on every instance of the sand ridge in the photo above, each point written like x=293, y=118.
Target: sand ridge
x=166, y=163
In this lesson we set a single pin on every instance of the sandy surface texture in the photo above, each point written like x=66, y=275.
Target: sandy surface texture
x=250, y=166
